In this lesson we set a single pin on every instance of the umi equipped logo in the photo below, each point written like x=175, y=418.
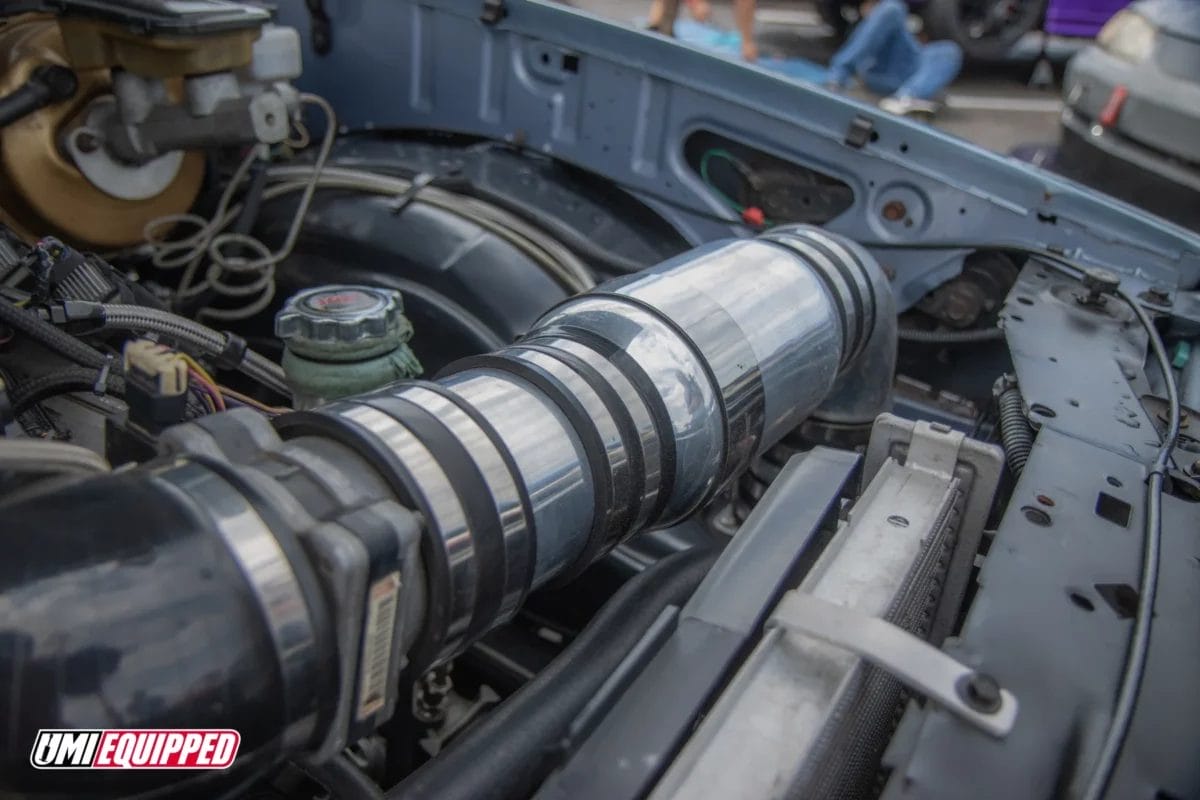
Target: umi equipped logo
x=119, y=748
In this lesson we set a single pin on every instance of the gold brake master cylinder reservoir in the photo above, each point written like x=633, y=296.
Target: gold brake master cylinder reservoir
x=341, y=340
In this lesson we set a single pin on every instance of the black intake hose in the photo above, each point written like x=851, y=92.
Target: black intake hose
x=509, y=754
x=116, y=590
x=68, y=379
x=45, y=334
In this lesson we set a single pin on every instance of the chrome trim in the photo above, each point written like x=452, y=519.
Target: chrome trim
x=764, y=322
x=714, y=355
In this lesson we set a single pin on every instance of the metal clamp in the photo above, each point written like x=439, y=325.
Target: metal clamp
x=972, y=696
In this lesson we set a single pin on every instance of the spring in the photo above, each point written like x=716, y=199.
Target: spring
x=1015, y=431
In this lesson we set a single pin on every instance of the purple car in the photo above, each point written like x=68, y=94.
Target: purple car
x=988, y=29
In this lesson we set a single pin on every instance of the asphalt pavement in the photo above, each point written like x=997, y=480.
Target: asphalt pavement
x=992, y=105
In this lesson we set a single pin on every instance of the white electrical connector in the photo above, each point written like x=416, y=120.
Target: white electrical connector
x=158, y=364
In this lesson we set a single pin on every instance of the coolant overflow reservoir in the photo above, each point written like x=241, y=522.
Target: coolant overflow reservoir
x=343, y=340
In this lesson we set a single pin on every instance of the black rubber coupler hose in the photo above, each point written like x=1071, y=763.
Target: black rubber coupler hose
x=511, y=752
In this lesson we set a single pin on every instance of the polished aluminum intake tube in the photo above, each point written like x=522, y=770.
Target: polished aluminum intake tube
x=284, y=556
x=623, y=409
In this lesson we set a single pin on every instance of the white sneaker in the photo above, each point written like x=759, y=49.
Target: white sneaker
x=903, y=106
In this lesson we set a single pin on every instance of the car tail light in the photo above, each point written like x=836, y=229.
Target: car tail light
x=1112, y=109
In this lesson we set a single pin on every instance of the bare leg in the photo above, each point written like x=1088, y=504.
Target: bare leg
x=654, y=18
x=701, y=10
x=743, y=15
x=662, y=16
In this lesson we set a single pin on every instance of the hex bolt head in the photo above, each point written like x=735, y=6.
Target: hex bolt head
x=981, y=692
x=1100, y=281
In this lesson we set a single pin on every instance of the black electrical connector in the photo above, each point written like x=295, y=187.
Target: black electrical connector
x=63, y=273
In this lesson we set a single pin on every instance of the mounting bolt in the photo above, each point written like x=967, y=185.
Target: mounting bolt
x=1098, y=282
x=1158, y=297
x=981, y=692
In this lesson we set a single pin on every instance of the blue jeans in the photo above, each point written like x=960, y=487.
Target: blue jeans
x=890, y=60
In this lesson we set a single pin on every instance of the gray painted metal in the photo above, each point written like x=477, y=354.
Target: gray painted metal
x=1052, y=617
x=1079, y=367
x=620, y=103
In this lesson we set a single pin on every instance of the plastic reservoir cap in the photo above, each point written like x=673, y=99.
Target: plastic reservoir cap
x=342, y=314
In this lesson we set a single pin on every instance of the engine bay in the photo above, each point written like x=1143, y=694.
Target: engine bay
x=457, y=402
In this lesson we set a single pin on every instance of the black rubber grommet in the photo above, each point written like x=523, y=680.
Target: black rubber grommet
x=232, y=353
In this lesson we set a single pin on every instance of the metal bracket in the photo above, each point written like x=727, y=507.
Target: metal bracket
x=918, y=664
x=493, y=11
x=935, y=448
x=859, y=132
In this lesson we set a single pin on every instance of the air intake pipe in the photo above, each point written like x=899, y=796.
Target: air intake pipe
x=623, y=409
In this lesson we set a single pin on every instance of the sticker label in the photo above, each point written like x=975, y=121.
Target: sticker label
x=377, y=644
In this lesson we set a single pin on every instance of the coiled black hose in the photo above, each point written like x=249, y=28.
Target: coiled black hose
x=47, y=335
x=1015, y=431
x=950, y=337
x=511, y=752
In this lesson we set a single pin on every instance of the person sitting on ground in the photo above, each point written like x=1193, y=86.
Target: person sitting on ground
x=890, y=61
x=663, y=13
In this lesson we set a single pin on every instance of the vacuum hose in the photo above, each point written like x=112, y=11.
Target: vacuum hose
x=623, y=409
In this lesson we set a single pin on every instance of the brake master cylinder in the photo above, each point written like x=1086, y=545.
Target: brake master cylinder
x=342, y=340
